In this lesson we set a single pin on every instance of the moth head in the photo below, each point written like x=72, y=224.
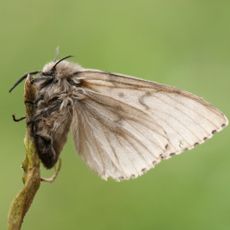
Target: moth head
x=60, y=69
x=55, y=70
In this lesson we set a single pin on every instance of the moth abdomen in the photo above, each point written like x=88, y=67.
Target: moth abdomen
x=45, y=151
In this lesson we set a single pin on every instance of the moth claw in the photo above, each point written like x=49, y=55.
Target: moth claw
x=51, y=179
x=17, y=119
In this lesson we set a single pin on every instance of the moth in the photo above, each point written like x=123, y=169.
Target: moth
x=122, y=126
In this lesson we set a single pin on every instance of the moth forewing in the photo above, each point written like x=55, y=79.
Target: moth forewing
x=122, y=126
x=119, y=108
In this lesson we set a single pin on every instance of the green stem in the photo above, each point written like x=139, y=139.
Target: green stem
x=31, y=179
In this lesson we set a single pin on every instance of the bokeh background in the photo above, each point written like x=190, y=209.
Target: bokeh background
x=181, y=43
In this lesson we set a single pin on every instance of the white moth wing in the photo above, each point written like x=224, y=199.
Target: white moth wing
x=115, y=139
x=125, y=126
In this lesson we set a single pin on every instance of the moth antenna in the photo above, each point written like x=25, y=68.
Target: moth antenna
x=69, y=56
x=21, y=79
x=17, y=119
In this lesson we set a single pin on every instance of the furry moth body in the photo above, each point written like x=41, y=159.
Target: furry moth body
x=122, y=126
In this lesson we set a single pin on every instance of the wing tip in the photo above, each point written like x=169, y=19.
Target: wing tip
x=225, y=124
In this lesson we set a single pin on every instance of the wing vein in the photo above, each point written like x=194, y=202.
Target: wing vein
x=179, y=121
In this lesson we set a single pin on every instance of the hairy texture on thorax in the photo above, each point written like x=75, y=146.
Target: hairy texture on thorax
x=53, y=109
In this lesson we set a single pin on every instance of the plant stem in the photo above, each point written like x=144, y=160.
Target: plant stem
x=31, y=179
x=31, y=167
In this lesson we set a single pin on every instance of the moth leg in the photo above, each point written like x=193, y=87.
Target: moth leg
x=29, y=102
x=79, y=94
x=74, y=82
x=41, y=78
x=45, y=79
x=57, y=168
x=18, y=119
x=39, y=99
x=45, y=113
x=34, y=103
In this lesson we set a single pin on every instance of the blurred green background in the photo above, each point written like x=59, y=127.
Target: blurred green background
x=181, y=43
